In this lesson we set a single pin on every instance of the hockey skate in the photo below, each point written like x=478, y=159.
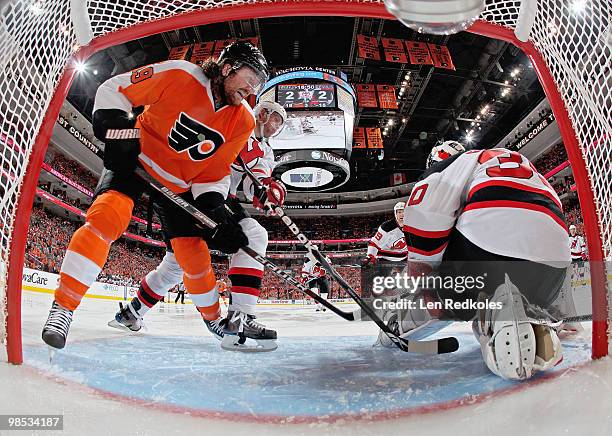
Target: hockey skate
x=239, y=326
x=126, y=319
x=56, y=328
x=216, y=327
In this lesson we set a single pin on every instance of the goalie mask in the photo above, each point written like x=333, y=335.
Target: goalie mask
x=444, y=150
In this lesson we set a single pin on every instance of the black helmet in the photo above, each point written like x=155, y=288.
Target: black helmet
x=243, y=53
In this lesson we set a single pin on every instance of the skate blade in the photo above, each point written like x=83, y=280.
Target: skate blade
x=117, y=325
x=232, y=343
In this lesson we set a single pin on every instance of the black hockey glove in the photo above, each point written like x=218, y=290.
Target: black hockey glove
x=121, y=140
x=228, y=236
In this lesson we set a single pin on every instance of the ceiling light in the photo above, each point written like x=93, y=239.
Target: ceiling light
x=80, y=67
x=578, y=6
x=36, y=8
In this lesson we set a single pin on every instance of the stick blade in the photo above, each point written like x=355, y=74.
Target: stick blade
x=434, y=346
x=448, y=345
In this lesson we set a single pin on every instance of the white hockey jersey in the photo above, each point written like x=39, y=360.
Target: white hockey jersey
x=259, y=158
x=496, y=199
x=577, y=247
x=388, y=243
x=312, y=270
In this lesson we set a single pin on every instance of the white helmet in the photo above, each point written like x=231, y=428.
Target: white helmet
x=572, y=227
x=271, y=106
x=444, y=150
x=400, y=205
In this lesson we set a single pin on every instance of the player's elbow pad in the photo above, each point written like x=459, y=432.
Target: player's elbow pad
x=104, y=119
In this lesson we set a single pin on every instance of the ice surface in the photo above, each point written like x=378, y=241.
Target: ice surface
x=325, y=367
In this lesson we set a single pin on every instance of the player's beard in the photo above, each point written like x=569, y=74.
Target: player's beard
x=218, y=89
x=231, y=96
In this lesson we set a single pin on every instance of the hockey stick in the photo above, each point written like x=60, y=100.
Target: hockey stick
x=435, y=346
x=206, y=221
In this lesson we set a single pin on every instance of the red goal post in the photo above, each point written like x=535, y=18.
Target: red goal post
x=38, y=51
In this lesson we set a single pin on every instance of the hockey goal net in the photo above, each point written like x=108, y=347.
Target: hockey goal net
x=570, y=45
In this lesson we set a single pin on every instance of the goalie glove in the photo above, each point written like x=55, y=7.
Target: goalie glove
x=271, y=192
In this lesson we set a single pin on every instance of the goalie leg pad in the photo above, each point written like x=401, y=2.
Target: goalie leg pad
x=514, y=346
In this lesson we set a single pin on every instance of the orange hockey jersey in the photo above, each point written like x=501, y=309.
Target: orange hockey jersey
x=185, y=143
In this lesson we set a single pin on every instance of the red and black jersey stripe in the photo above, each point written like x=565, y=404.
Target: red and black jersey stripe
x=516, y=196
x=381, y=252
x=424, y=242
x=393, y=254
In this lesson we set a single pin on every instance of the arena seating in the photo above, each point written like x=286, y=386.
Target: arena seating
x=129, y=261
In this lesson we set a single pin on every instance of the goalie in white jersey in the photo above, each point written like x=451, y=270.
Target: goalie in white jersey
x=488, y=214
x=244, y=272
x=388, y=243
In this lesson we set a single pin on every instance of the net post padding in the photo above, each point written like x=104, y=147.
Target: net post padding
x=299, y=8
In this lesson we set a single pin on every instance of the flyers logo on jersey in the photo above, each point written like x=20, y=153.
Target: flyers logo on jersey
x=191, y=136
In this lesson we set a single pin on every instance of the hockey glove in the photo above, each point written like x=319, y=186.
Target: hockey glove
x=368, y=261
x=228, y=236
x=272, y=192
x=121, y=139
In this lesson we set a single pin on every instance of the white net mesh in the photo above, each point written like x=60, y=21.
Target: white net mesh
x=37, y=39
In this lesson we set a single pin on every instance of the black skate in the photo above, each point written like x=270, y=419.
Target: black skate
x=125, y=319
x=216, y=328
x=56, y=328
x=239, y=327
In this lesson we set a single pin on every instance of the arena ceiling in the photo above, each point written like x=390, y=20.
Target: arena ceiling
x=437, y=104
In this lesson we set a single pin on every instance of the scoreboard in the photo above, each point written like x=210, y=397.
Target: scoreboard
x=313, y=147
x=299, y=95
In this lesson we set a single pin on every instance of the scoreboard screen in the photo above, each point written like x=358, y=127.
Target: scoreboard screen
x=312, y=95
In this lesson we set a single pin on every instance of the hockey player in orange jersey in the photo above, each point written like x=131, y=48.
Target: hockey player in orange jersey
x=194, y=124
x=245, y=273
